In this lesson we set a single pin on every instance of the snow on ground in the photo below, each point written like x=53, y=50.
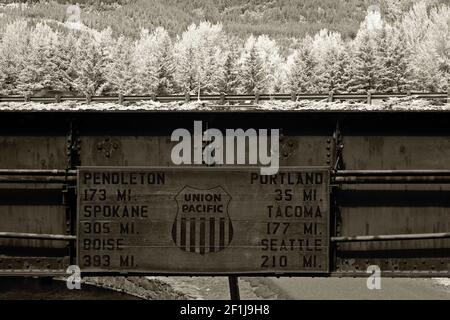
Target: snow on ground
x=393, y=104
x=445, y=282
x=216, y=288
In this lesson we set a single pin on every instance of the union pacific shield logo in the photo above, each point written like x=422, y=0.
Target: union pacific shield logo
x=202, y=224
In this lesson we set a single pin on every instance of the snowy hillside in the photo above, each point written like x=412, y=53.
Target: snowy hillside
x=389, y=54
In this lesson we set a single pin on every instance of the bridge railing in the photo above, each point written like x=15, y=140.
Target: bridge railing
x=222, y=99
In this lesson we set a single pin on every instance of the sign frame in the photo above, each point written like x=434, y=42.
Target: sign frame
x=181, y=169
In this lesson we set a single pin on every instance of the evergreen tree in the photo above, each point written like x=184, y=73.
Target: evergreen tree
x=105, y=42
x=391, y=67
x=164, y=61
x=200, y=58
x=65, y=55
x=230, y=81
x=332, y=71
x=329, y=52
x=186, y=71
x=302, y=76
x=362, y=65
x=253, y=78
x=40, y=70
x=120, y=72
x=88, y=65
x=430, y=60
x=145, y=63
x=13, y=51
x=272, y=62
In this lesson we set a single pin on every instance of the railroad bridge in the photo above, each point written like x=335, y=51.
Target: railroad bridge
x=387, y=197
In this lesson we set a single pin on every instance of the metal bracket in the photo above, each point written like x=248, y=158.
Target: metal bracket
x=108, y=146
x=69, y=191
x=336, y=217
x=287, y=146
x=338, y=147
x=73, y=145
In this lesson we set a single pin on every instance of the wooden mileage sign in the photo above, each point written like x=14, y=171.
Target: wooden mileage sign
x=193, y=220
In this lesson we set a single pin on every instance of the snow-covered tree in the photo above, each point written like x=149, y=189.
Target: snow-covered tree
x=302, y=70
x=200, y=58
x=431, y=56
x=333, y=71
x=415, y=24
x=65, y=55
x=272, y=62
x=393, y=10
x=145, y=63
x=13, y=51
x=89, y=65
x=40, y=69
x=253, y=78
x=328, y=50
x=324, y=42
x=230, y=80
x=391, y=60
x=154, y=62
x=164, y=60
x=186, y=70
x=362, y=63
x=120, y=71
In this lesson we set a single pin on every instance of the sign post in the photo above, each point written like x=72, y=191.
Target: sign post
x=203, y=220
x=234, y=288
